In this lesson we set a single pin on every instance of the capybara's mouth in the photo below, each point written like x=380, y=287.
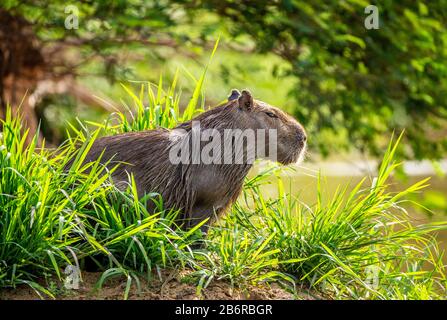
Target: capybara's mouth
x=295, y=156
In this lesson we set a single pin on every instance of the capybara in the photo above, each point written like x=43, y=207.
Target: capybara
x=203, y=181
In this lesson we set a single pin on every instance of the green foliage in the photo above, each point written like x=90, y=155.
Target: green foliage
x=349, y=80
x=103, y=26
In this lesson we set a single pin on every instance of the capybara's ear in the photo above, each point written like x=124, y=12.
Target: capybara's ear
x=245, y=100
x=234, y=95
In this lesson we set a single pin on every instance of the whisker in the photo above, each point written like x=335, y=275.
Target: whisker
x=308, y=169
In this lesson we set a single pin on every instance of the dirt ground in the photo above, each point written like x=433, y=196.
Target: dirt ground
x=169, y=287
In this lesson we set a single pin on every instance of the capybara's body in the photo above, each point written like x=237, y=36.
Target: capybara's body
x=196, y=187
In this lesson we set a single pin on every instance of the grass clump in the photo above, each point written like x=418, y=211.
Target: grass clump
x=51, y=217
x=358, y=244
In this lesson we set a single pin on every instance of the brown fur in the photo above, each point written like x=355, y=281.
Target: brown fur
x=199, y=191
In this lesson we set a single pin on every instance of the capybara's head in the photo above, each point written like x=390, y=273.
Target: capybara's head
x=280, y=128
x=259, y=127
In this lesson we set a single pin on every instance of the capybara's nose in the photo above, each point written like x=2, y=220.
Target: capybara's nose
x=301, y=136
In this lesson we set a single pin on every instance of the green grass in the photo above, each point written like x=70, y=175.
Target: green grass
x=357, y=244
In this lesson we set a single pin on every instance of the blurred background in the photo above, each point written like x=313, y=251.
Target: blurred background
x=350, y=73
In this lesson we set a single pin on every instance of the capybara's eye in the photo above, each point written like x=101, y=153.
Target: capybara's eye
x=271, y=114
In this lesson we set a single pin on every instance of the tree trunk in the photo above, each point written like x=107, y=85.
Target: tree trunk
x=21, y=67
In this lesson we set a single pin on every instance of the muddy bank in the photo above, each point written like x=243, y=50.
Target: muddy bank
x=170, y=286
